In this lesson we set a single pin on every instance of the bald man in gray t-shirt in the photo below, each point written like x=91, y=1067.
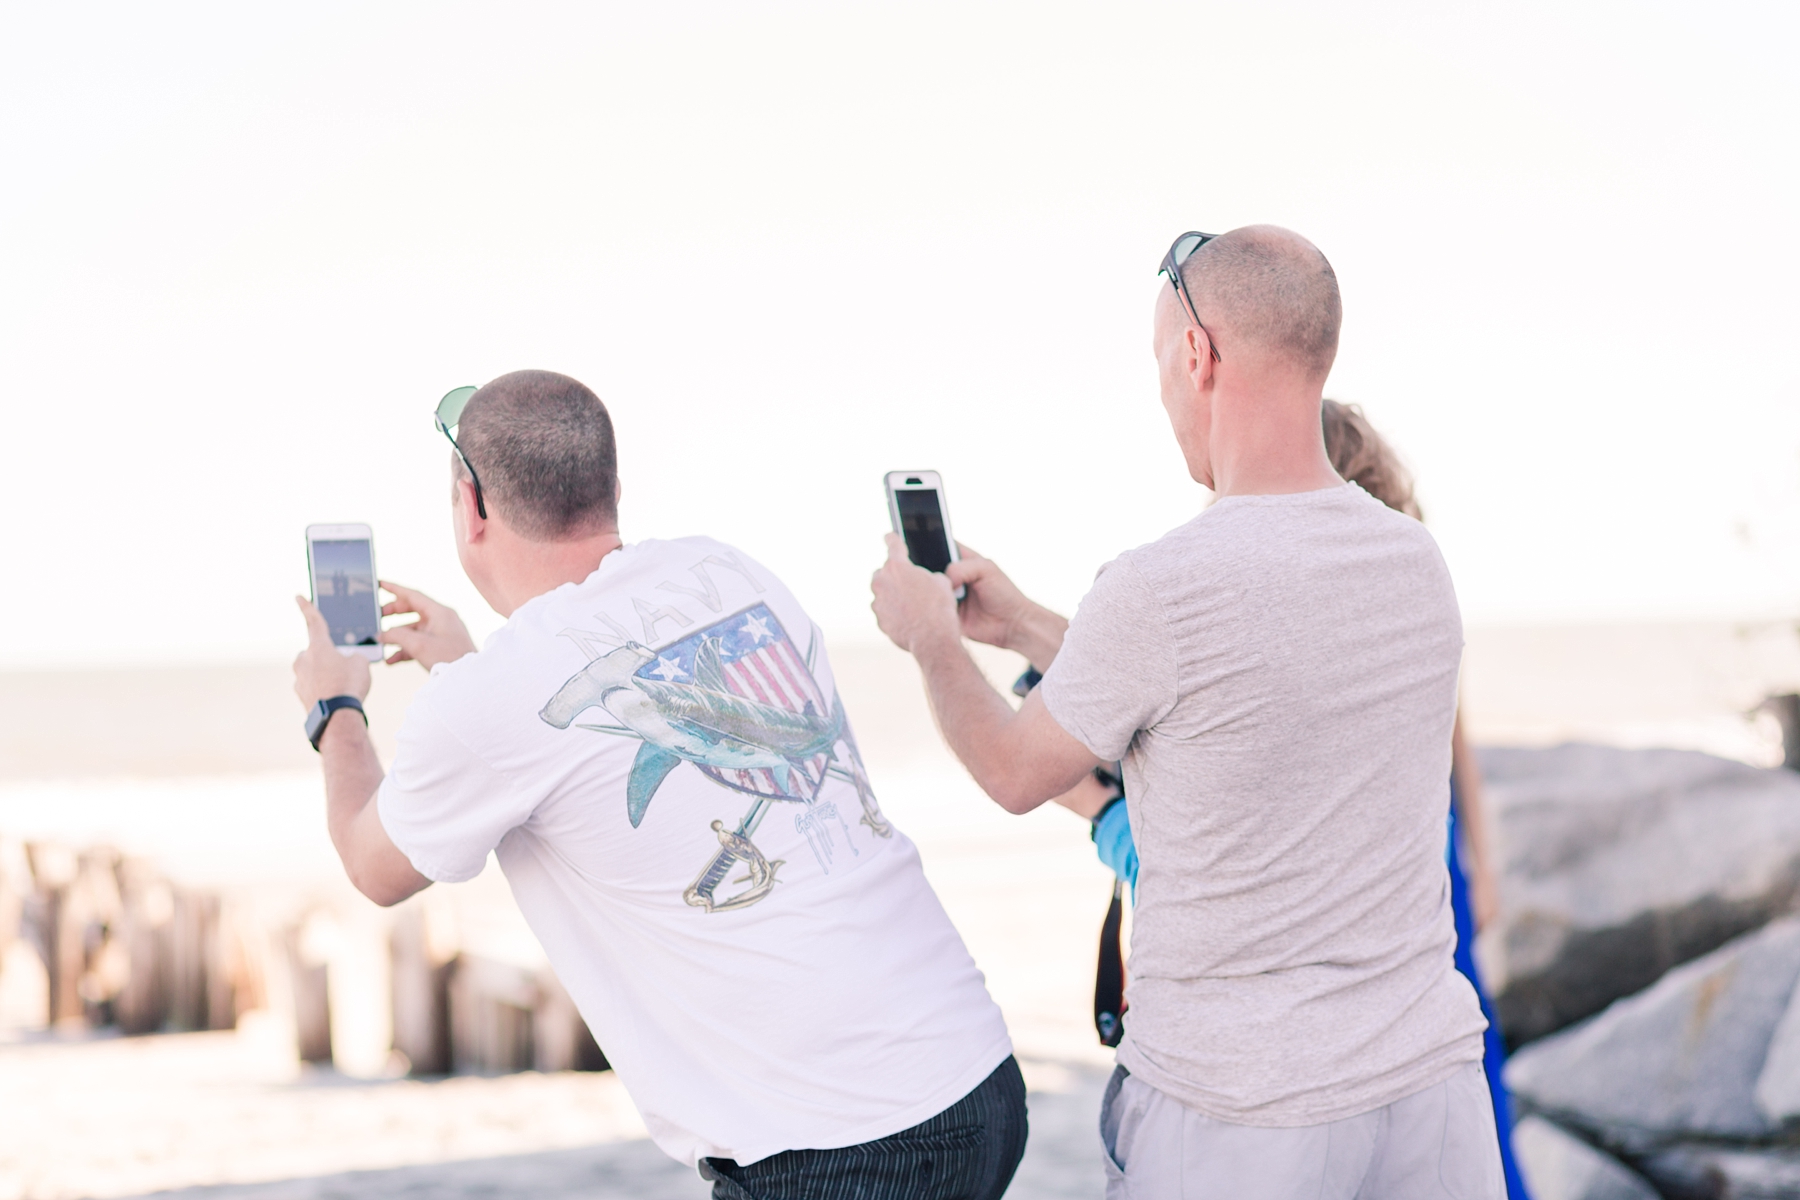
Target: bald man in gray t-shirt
x=1278, y=677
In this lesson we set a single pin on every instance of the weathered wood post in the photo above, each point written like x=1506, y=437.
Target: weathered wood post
x=53, y=871
x=192, y=951
x=491, y=1006
x=96, y=907
x=147, y=930
x=14, y=883
x=560, y=1039
x=1787, y=715
x=422, y=967
x=307, y=971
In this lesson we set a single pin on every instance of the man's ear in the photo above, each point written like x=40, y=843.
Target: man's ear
x=473, y=524
x=1198, y=349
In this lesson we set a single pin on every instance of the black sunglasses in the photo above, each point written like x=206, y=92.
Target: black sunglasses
x=1180, y=252
x=449, y=413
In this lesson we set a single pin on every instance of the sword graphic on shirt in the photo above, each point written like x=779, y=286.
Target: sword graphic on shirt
x=738, y=702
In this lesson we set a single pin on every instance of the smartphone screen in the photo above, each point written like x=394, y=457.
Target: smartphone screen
x=922, y=525
x=343, y=572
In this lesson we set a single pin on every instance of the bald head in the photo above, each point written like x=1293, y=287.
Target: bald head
x=1269, y=291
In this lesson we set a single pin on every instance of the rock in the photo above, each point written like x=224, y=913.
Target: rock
x=1724, y=1173
x=1777, y=1092
x=1617, y=865
x=1681, y=1059
x=1557, y=1165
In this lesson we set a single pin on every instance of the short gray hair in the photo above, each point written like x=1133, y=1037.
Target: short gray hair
x=1271, y=288
x=542, y=444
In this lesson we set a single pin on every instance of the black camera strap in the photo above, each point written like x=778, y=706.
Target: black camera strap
x=1109, y=978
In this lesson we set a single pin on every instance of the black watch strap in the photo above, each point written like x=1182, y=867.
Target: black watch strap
x=320, y=716
x=1023, y=684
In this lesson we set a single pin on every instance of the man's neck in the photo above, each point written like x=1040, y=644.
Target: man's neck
x=1269, y=443
x=539, y=567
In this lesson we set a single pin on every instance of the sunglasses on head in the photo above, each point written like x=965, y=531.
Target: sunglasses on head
x=449, y=413
x=1180, y=252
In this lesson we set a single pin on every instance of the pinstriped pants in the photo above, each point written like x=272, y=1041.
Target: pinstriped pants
x=967, y=1152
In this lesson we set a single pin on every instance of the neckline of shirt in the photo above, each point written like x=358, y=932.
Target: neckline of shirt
x=608, y=562
x=1285, y=499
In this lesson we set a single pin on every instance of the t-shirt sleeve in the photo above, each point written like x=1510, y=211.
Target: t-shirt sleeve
x=441, y=805
x=1115, y=673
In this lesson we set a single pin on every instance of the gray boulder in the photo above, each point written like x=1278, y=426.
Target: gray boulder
x=1680, y=1061
x=1777, y=1091
x=1557, y=1165
x=1725, y=1173
x=1617, y=865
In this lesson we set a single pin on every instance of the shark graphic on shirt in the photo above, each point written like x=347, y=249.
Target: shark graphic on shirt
x=691, y=712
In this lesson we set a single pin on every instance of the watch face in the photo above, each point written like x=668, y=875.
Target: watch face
x=315, y=723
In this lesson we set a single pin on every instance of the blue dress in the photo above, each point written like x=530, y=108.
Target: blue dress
x=1113, y=841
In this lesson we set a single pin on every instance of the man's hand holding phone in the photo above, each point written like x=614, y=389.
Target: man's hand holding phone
x=993, y=607
x=438, y=636
x=913, y=606
x=995, y=612
x=322, y=671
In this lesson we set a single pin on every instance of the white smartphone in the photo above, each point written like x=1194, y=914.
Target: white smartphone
x=341, y=561
x=921, y=517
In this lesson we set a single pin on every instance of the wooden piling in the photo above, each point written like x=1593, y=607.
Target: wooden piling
x=147, y=931
x=561, y=1040
x=422, y=969
x=53, y=872
x=491, y=1007
x=311, y=995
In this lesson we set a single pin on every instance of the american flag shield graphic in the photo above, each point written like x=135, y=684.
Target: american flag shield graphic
x=761, y=665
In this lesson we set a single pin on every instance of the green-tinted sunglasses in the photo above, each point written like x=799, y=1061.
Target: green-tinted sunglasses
x=449, y=414
x=1180, y=252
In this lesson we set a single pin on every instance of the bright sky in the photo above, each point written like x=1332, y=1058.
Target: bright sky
x=244, y=249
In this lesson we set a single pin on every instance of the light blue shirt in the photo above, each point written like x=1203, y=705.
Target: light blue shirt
x=1113, y=842
x=1112, y=838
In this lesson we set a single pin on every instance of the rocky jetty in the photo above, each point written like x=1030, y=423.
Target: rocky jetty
x=1563, y=1167
x=1650, y=966
x=1618, y=865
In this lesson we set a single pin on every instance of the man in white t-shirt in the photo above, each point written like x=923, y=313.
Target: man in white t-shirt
x=654, y=748
x=1278, y=677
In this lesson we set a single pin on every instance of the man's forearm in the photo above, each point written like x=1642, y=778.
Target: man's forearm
x=352, y=776
x=972, y=717
x=1038, y=636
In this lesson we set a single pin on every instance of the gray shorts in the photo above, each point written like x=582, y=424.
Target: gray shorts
x=1438, y=1144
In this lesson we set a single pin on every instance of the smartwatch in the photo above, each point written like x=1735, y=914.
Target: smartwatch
x=320, y=716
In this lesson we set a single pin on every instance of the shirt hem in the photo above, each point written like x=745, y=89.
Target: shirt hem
x=886, y=1126
x=1287, y=1115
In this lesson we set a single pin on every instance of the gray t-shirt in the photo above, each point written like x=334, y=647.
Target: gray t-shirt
x=1279, y=677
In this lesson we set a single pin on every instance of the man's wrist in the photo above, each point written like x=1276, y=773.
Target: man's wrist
x=937, y=646
x=324, y=713
x=1038, y=635
x=354, y=720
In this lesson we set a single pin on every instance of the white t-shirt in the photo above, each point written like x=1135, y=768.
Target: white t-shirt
x=659, y=757
x=1279, y=677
